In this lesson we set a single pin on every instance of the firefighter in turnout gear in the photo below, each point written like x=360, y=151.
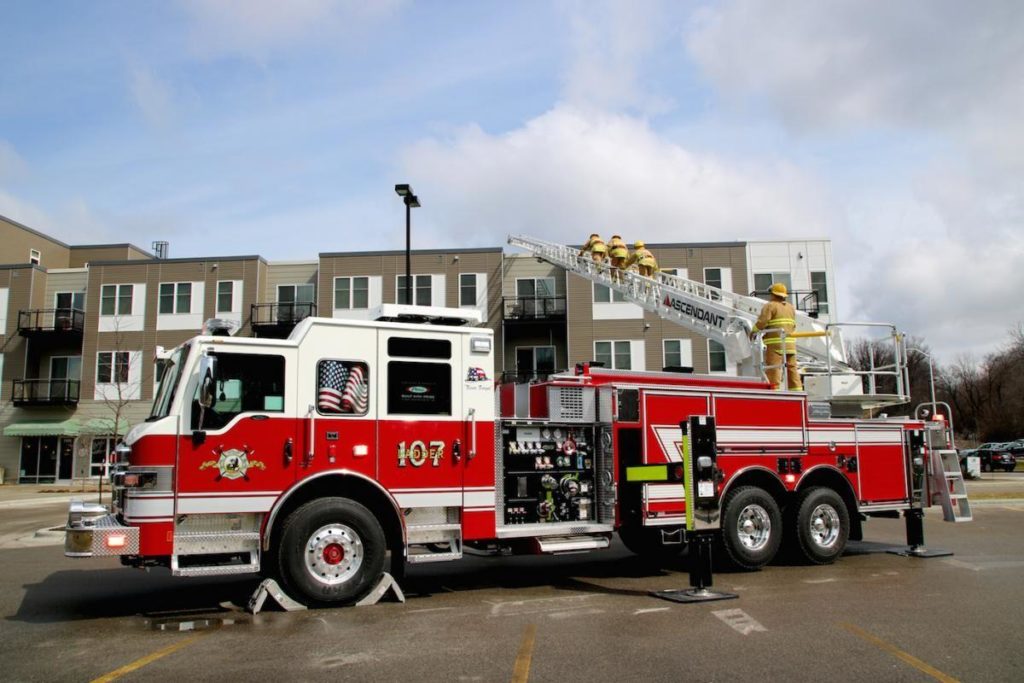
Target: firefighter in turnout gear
x=596, y=246
x=644, y=260
x=618, y=251
x=778, y=316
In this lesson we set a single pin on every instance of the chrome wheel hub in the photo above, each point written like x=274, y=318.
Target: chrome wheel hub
x=824, y=526
x=753, y=527
x=334, y=554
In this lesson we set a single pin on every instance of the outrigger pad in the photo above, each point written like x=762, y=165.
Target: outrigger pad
x=386, y=583
x=919, y=551
x=693, y=595
x=269, y=587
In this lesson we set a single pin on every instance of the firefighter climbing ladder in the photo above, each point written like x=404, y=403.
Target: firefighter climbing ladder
x=727, y=318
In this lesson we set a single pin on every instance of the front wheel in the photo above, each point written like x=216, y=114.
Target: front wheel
x=822, y=525
x=751, y=527
x=332, y=551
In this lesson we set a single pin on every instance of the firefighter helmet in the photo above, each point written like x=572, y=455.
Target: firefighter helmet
x=778, y=289
x=639, y=244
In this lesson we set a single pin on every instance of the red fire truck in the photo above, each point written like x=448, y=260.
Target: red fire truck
x=354, y=447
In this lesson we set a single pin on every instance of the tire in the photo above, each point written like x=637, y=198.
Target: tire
x=646, y=542
x=751, y=527
x=332, y=551
x=820, y=525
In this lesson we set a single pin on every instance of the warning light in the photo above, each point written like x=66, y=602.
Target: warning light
x=790, y=478
x=116, y=540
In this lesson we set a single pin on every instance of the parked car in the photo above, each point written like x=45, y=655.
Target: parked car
x=1017, y=447
x=996, y=455
x=963, y=454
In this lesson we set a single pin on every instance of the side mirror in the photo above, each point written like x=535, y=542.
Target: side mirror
x=207, y=380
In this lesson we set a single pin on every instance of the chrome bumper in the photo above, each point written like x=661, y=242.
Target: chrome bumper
x=93, y=532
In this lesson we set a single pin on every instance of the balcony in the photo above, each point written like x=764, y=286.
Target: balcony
x=526, y=377
x=805, y=302
x=276, y=321
x=51, y=322
x=46, y=392
x=534, y=308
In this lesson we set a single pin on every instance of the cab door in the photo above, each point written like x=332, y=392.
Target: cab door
x=238, y=453
x=421, y=429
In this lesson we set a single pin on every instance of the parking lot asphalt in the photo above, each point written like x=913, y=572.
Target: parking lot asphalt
x=872, y=615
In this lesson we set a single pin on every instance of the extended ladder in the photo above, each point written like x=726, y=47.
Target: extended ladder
x=728, y=317
x=948, y=488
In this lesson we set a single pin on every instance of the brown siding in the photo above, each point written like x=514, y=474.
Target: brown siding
x=17, y=242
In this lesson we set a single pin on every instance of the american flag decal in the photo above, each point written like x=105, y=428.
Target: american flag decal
x=343, y=387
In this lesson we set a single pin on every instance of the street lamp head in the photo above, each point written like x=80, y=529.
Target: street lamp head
x=403, y=189
x=412, y=201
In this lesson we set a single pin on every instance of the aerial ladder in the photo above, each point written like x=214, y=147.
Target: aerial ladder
x=728, y=318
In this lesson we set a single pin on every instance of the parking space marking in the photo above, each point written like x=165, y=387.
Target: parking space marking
x=820, y=580
x=148, y=659
x=574, y=613
x=512, y=607
x=906, y=657
x=989, y=564
x=521, y=669
x=651, y=609
x=739, y=621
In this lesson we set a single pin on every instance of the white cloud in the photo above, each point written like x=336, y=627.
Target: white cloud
x=259, y=28
x=609, y=42
x=12, y=165
x=571, y=171
x=153, y=97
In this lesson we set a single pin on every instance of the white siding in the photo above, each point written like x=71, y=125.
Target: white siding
x=127, y=323
x=193, y=320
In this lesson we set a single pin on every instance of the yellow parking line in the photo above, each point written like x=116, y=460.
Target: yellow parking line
x=148, y=659
x=899, y=654
x=521, y=670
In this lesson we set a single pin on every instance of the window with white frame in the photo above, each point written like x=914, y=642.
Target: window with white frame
x=713, y=277
x=34, y=257
x=351, y=292
x=614, y=354
x=716, y=357
x=606, y=295
x=764, y=281
x=421, y=290
x=677, y=353
x=112, y=367
x=819, y=284
x=225, y=296
x=467, y=290
x=118, y=375
x=116, y=299
x=175, y=298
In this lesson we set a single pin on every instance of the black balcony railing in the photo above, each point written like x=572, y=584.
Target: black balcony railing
x=806, y=302
x=278, y=319
x=526, y=377
x=50, y=320
x=46, y=392
x=535, y=308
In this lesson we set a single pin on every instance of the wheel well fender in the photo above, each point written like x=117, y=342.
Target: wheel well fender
x=831, y=478
x=351, y=485
x=762, y=478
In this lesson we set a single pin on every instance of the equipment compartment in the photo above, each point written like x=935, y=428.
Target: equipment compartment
x=549, y=473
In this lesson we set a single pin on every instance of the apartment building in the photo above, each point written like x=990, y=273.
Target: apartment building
x=82, y=327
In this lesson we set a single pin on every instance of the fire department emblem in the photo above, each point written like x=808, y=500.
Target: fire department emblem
x=233, y=464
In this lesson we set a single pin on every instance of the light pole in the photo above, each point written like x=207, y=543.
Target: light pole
x=411, y=202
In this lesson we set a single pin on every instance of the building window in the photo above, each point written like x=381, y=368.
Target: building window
x=467, y=289
x=116, y=299
x=716, y=357
x=34, y=256
x=421, y=285
x=534, y=362
x=820, y=286
x=614, y=354
x=677, y=353
x=605, y=295
x=764, y=281
x=225, y=296
x=343, y=387
x=351, y=292
x=245, y=382
x=713, y=277
x=175, y=297
x=419, y=388
x=70, y=301
x=101, y=449
x=112, y=367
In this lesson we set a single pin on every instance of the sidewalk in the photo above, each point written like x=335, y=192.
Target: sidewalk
x=25, y=495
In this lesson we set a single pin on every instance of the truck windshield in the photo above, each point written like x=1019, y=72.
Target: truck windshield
x=169, y=382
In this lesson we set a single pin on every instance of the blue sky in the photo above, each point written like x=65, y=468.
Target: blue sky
x=894, y=129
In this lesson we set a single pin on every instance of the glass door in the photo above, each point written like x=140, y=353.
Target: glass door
x=65, y=373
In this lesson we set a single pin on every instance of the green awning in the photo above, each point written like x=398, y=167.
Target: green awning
x=105, y=425
x=69, y=427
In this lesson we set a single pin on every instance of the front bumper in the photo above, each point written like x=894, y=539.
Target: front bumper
x=93, y=532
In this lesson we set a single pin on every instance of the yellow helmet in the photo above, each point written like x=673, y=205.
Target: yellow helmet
x=778, y=289
x=616, y=237
x=593, y=235
x=639, y=244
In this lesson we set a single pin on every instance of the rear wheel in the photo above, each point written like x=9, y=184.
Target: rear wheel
x=332, y=551
x=751, y=527
x=646, y=542
x=821, y=525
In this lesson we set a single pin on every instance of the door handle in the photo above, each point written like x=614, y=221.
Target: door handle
x=456, y=450
x=288, y=451
x=472, y=434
